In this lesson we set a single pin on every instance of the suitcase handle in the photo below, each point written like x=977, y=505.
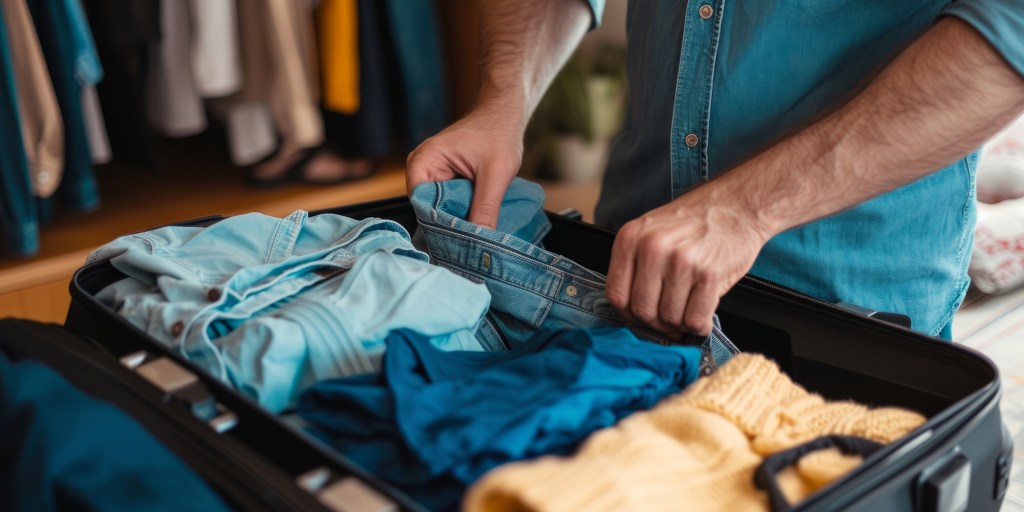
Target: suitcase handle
x=765, y=475
x=184, y=386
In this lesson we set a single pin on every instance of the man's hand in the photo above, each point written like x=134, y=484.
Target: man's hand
x=483, y=147
x=670, y=267
x=524, y=43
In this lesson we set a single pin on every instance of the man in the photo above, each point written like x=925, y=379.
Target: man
x=822, y=144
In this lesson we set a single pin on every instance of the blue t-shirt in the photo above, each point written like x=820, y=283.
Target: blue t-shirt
x=740, y=76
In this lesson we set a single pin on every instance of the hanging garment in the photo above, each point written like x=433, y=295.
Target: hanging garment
x=247, y=116
x=368, y=132
x=41, y=126
x=216, y=63
x=88, y=73
x=18, y=221
x=531, y=288
x=273, y=305
x=338, y=30
x=95, y=130
x=294, y=89
x=65, y=51
x=696, y=450
x=61, y=449
x=435, y=421
x=125, y=33
x=175, y=108
x=88, y=70
x=413, y=28
x=71, y=58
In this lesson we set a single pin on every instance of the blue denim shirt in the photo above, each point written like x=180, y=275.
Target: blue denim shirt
x=272, y=305
x=742, y=75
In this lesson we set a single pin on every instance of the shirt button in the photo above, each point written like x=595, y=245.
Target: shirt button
x=177, y=328
x=213, y=295
x=571, y=290
x=691, y=140
x=706, y=11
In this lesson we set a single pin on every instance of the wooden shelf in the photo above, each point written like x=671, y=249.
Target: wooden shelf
x=195, y=180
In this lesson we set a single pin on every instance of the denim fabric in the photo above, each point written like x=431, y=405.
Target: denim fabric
x=59, y=37
x=18, y=222
x=272, y=305
x=433, y=422
x=755, y=71
x=61, y=449
x=88, y=70
x=413, y=28
x=531, y=288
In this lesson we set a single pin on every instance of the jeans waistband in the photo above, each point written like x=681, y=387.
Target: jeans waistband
x=523, y=265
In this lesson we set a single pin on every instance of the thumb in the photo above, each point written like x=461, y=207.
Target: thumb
x=426, y=164
x=488, y=191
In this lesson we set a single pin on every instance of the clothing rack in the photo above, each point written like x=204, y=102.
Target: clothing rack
x=194, y=177
x=109, y=81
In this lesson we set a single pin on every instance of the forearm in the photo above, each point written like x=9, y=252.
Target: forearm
x=940, y=99
x=525, y=43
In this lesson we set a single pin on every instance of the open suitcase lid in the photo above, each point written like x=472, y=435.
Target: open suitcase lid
x=826, y=348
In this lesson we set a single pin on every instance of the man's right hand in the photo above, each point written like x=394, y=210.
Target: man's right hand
x=485, y=147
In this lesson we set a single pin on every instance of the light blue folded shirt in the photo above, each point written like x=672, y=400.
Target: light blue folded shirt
x=272, y=305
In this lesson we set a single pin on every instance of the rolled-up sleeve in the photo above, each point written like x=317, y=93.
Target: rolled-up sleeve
x=1001, y=22
x=597, y=8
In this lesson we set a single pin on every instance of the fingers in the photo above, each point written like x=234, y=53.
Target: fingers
x=646, y=289
x=675, y=291
x=700, y=308
x=417, y=169
x=488, y=191
x=619, y=287
x=659, y=283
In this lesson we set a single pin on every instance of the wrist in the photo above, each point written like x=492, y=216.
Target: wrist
x=741, y=209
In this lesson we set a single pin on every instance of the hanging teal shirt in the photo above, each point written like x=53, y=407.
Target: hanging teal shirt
x=731, y=77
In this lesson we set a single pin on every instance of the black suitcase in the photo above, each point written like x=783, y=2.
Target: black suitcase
x=958, y=460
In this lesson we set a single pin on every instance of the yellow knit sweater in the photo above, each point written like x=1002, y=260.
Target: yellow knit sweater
x=696, y=450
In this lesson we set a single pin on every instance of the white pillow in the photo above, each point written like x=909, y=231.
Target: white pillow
x=997, y=263
x=1001, y=166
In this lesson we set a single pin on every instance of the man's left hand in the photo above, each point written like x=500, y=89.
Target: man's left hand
x=670, y=267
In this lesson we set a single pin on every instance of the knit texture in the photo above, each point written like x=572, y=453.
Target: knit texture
x=696, y=450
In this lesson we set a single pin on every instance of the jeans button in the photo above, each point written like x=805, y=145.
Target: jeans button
x=213, y=295
x=177, y=328
x=571, y=290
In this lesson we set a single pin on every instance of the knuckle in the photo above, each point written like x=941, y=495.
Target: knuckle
x=617, y=299
x=682, y=260
x=627, y=233
x=708, y=274
x=643, y=313
x=698, y=323
x=655, y=247
x=670, y=318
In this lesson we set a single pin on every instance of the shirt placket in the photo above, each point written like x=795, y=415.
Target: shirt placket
x=692, y=105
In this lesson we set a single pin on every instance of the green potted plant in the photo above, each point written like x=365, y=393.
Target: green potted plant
x=571, y=130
